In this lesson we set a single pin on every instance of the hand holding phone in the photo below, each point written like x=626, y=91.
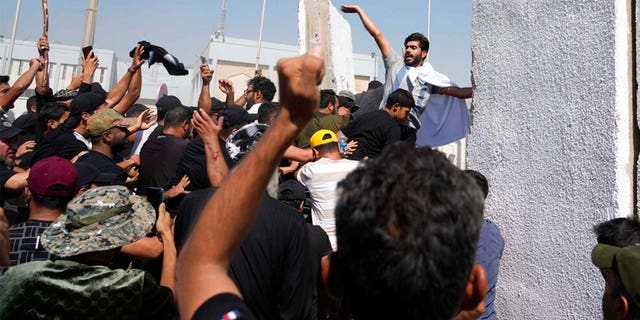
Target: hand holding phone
x=86, y=50
x=155, y=196
x=204, y=61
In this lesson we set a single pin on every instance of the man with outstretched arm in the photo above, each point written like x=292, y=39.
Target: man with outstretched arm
x=204, y=288
x=448, y=117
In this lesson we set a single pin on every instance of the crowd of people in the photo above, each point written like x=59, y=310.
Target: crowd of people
x=318, y=206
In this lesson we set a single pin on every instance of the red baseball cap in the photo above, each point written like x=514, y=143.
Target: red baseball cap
x=53, y=177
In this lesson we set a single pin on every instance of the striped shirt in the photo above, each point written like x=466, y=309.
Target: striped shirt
x=321, y=179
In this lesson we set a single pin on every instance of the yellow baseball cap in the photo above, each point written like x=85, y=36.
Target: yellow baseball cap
x=319, y=138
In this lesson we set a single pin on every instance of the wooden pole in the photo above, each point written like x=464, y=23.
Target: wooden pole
x=45, y=33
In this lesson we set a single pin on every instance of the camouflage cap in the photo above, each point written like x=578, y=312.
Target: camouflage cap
x=347, y=94
x=106, y=119
x=100, y=219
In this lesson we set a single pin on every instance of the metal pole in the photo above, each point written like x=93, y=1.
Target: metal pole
x=429, y=21
x=264, y=5
x=5, y=65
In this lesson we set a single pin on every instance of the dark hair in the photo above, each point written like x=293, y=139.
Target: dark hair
x=50, y=111
x=265, y=86
x=407, y=224
x=32, y=101
x=177, y=115
x=54, y=203
x=327, y=96
x=417, y=36
x=401, y=97
x=266, y=110
x=4, y=79
x=480, y=179
x=374, y=85
x=331, y=146
x=620, y=232
x=135, y=110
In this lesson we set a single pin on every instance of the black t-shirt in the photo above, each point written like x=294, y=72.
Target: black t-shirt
x=5, y=194
x=271, y=269
x=373, y=131
x=193, y=163
x=59, y=142
x=12, y=215
x=223, y=306
x=155, y=133
x=158, y=161
x=157, y=301
x=104, y=164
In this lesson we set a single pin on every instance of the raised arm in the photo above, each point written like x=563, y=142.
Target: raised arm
x=42, y=80
x=204, y=261
x=378, y=36
x=462, y=93
x=204, y=101
x=208, y=130
x=294, y=153
x=164, y=227
x=89, y=65
x=226, y=87
x=131, y=82
x=11, y=95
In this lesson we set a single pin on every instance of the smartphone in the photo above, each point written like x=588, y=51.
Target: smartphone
x=86, y=50
x=155, y=196
x=204, y=61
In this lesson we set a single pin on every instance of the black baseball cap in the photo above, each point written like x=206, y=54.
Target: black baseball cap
x=236, y=115
x=291, y=190
x=344, y=101
x=8, y=131
x=86, y=102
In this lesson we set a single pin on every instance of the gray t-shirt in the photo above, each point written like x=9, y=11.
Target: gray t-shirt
x=396, y=78
x=393, y=65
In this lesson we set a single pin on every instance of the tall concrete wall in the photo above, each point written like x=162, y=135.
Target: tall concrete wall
x=321, y=24
x=552, y=126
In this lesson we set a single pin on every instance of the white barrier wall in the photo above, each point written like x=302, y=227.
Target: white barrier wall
x=334, y=37
x=552, y=131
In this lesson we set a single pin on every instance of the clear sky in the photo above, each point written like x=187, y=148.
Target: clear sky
x=184, y=26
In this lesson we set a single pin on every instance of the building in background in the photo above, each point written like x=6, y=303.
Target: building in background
x=63, y=65
x=232, y=59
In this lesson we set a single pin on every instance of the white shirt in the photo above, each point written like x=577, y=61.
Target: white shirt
x=82, y=139
x=254, y=108
x=141, y=138
x=321, y=178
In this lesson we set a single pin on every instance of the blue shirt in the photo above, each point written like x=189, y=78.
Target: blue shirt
x=489, y=252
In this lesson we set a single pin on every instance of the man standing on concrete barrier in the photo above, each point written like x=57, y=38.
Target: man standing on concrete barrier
x=446, y=118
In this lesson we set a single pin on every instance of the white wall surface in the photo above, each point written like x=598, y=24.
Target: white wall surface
x=551, y=133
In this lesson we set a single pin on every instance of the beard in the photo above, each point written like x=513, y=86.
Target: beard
x=117, y=148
